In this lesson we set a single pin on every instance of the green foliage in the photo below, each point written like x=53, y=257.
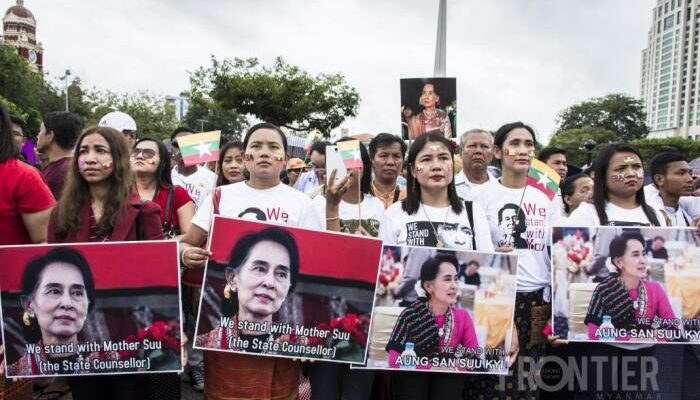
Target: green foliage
x=571, y=140
x=282, y=94
x=618, y=113
x=154, y=116
x=206, y=115
x=689, y=148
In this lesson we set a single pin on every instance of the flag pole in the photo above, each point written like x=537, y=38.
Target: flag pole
x=359, y=200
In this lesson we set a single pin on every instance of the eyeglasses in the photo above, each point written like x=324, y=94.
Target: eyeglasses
x=145, y=153
x=294, y=170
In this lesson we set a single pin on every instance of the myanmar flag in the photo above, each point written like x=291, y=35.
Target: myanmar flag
x=200, y=147
x=350, y=153
x=543, y=178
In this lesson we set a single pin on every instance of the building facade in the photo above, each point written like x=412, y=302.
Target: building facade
x=670, y=87
x=19, y=30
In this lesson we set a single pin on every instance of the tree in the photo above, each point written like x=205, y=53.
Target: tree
x=206, y=115
x=154, y=116
x=282, y=94
x=25, y=93
x=572, y=140
x=619, y=113
x=647, y=147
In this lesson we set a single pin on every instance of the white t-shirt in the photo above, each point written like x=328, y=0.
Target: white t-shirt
x=471, y=191
x=280, y=204
x=530, y=237
x=586, y=215
x=198, y=185
x=452, y=229
x=372, y=214
x=688, y=206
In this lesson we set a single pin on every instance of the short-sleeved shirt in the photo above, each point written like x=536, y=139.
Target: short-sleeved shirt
x=199, y=185
x=55, y=174
x=23, y=191
x=179, y=199
x=279, y=204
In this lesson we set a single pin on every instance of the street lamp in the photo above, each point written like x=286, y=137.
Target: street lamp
x=589, y=145
x=65, y=77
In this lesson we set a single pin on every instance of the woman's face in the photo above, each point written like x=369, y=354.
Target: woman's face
x=232, y=165
x=428, y=98
x=60, y=302
x=634, y=262
x=517, y=150
x=95, y=161
x=264, y=279
x=264, y=155
x=583, y=192
x=144, y=158
x=625, y=175
x=433, y=167
x=444, y=287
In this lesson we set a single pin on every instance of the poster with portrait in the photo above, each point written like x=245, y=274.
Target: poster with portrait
x=626, y=284
x=91, y=308
x=428, y=105
x=440, y=310
x=278, y=291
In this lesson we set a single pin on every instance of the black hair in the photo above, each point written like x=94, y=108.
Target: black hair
x=20, y=122
x=265, y=125
x=660, y=162
x=568, y=187
x=411, y=203
x=664, y=149
x=600, y=188
x=658, y=238
x=34, y=271
x=548, y=152
x=320, y=146
x=521, y=227
x=385, y=140
x=163, y=171
x=221, y=178
x=431, y=268
x=473, y=262
x=366, y=179
x=502, y=132
x=8, y=148
x=619, y=244
x=65, y=126
x=241, y=250
x=178, y=131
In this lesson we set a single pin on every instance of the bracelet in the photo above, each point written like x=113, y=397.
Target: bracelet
x=332, y=218
x=182, y=258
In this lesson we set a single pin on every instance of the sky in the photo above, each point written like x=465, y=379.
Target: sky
x=513, y=59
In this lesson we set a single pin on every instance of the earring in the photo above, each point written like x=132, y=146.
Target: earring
x=26, y=319
x=229, y=291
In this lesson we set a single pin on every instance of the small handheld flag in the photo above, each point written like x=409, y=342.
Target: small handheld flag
x=200, y=147
x=543, y=178
x=350, y=153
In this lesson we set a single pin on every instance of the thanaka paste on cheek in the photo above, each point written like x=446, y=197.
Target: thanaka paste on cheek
x=248, y=157
x=618, y=178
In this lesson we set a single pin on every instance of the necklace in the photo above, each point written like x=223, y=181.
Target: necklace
x=445, y=331
x=640, y=304
x=439, y=242
x=379, y=194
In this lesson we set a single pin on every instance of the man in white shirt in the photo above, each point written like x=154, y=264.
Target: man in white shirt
x=477, y=153
x=672, y=179
x=310, y=180
x=198, y=181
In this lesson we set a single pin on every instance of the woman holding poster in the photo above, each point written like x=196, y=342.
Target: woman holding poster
x=431, y=202
x=434, y=327
x=99, y=203
x=626, y=297
x=261, y=272
x=238, y=375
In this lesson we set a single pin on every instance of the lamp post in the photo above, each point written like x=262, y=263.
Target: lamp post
x=589, y=145
x=65, y=77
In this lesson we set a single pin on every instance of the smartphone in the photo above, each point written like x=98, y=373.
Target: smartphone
x=333, y=161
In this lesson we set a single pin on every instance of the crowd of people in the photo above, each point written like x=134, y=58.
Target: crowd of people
x=110, y=183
